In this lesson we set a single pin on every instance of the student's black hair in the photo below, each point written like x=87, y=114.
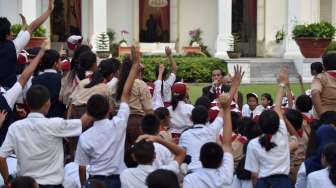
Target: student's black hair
x=249, y=128
x=329, y=153
x=150, y=124
x=86, y=61
x=211, y=155
x=253, y=96
x=176, y=98
x=97, y=107
x=328, y=117
x=235, y=118
x=49, y=59
x=199, y=115
x=105, y=69
x=23, y=182
x=162, y=179
x=161, y=113
x=317, y=67
x=37, y=96
x=203, y=101
x=123, y=74
x=268, y=97
x=304, y=103
x=295, y=118
x=75, y=60
x=164, y=76
x=269, y=123
x=221, y=71
x=5, y=26
x=143, y=152
x=329, y=61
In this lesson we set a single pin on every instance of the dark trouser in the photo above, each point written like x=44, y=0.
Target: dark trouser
x=274, y=181
x=51, y=186
x=112, y=181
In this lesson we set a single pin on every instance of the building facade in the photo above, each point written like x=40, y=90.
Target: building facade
x=256, y=21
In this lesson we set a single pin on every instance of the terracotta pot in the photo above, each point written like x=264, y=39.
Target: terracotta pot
x=36, y=42
x=312, y=47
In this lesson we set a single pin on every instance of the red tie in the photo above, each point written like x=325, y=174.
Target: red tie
x=218, y=91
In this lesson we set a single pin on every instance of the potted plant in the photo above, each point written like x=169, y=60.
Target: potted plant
x=234, y=46
x=123, y=42
x=278, y=49
x=196, y=38
x=37, y=38
x=113, y=45
x=102, y=45
x=313, y=39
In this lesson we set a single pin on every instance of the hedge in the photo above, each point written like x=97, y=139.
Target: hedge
x=190, y=69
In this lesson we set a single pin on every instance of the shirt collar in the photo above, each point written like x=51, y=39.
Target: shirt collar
x=198, y=126
x=49, y=71
x=35, y=115
x=100, y=122
x=147, y=168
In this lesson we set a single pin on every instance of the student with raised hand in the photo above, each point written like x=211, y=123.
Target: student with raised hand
x=267, y=156
x=37, y=141
x=144, y=155
x=201, y=132
x=10, y=48
x=157, y=99
x=9, y=97
x=217, y=162
x=102, y=146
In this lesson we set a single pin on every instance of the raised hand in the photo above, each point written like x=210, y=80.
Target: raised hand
x=161, y=68
x=168, y=51
x=225, y=100
x=238, y=75
x=24, y=21
x=3, y=115
x=51, y=5
x=283, y=75
x=299, y=77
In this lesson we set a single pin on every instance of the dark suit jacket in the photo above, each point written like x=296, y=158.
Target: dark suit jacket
x=211, y=94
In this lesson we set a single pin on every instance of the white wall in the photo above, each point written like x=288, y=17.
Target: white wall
x=120, y=17
x=325, y=10
x=10, y=9
x=198, y=14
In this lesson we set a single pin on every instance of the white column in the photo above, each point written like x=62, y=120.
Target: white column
x=333, y=12
x=224, y=28
x=99, y=19
x=28, y=9
x=292, y=18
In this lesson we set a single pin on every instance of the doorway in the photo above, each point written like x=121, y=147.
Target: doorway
x=154, y=23
x=244, y=24
x=65, y=20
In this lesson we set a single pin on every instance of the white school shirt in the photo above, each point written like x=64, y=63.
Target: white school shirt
x=180, y=117
x=301, y=178
x=275, y=161
x=167, y=84
x=157, y=100
x=37, y=142
x=246, y=111
x=238, y=183
x=12, y=165
x=162, y=155
x=102, y=146
x=212, y=178
x=12, y=94
x=22, y=96
x=136, y=177
x=71, y=176
x=21, y=41
x=320, y=178
x=194, y=138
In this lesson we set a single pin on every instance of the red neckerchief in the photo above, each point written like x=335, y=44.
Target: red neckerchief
x=300, y=133
x=309, y=119
x=269, y=136
x=332, y=74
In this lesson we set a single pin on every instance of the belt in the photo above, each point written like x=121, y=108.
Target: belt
x=104, y=177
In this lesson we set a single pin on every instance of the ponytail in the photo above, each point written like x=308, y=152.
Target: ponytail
x=176, y=97
x=105, y=69
x=96, y=79
x=265, y=142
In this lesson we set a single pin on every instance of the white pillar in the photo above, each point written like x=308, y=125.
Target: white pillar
x=292, y=18
x=28, y=9
x=99, y=16
x=333, y=12
x=224, y=28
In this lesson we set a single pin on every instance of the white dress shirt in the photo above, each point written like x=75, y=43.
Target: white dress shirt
x=136, y=177
x=12, y=166
x=246, y=111
x=238, y=183
x=275, y=161
x=38, y=144
x=194, y=138
x=162, y=156
x=301, y=178
x=167, y=84
x=180, y=117
x=157, y=100
x=102, y=146
x=212, y=178
x=21, y=41
x=12, y=94
x=320, y=178
x=71, y=176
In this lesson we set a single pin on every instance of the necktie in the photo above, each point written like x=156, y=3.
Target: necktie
x=218, y=91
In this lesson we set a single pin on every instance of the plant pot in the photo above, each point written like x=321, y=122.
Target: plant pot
x=103, y=54
x=35, y=42
x=312, y=47
x=233, y=55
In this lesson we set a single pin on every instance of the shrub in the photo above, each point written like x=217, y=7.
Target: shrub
x=39, y=32
x=332, y=47
x=190, y=69
x=317, y=30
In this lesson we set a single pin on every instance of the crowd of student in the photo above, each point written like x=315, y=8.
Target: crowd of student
x=81, y=123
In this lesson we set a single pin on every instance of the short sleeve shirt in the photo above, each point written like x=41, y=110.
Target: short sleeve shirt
x=326, y=84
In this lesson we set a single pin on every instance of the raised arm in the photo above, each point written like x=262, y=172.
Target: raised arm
x=28, y=72
x=40, y=20
x=225, y=101
x=161, y=70
x=282, y=81
x=132, y=75
x=171, y=60
x=302, y=89
x=290, y=96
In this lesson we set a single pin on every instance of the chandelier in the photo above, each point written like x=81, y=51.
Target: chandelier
x=158, y=3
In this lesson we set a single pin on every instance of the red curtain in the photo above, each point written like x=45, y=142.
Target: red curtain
x=78, y=8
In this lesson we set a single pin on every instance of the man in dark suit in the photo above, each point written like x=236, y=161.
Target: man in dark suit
x=217, y=87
